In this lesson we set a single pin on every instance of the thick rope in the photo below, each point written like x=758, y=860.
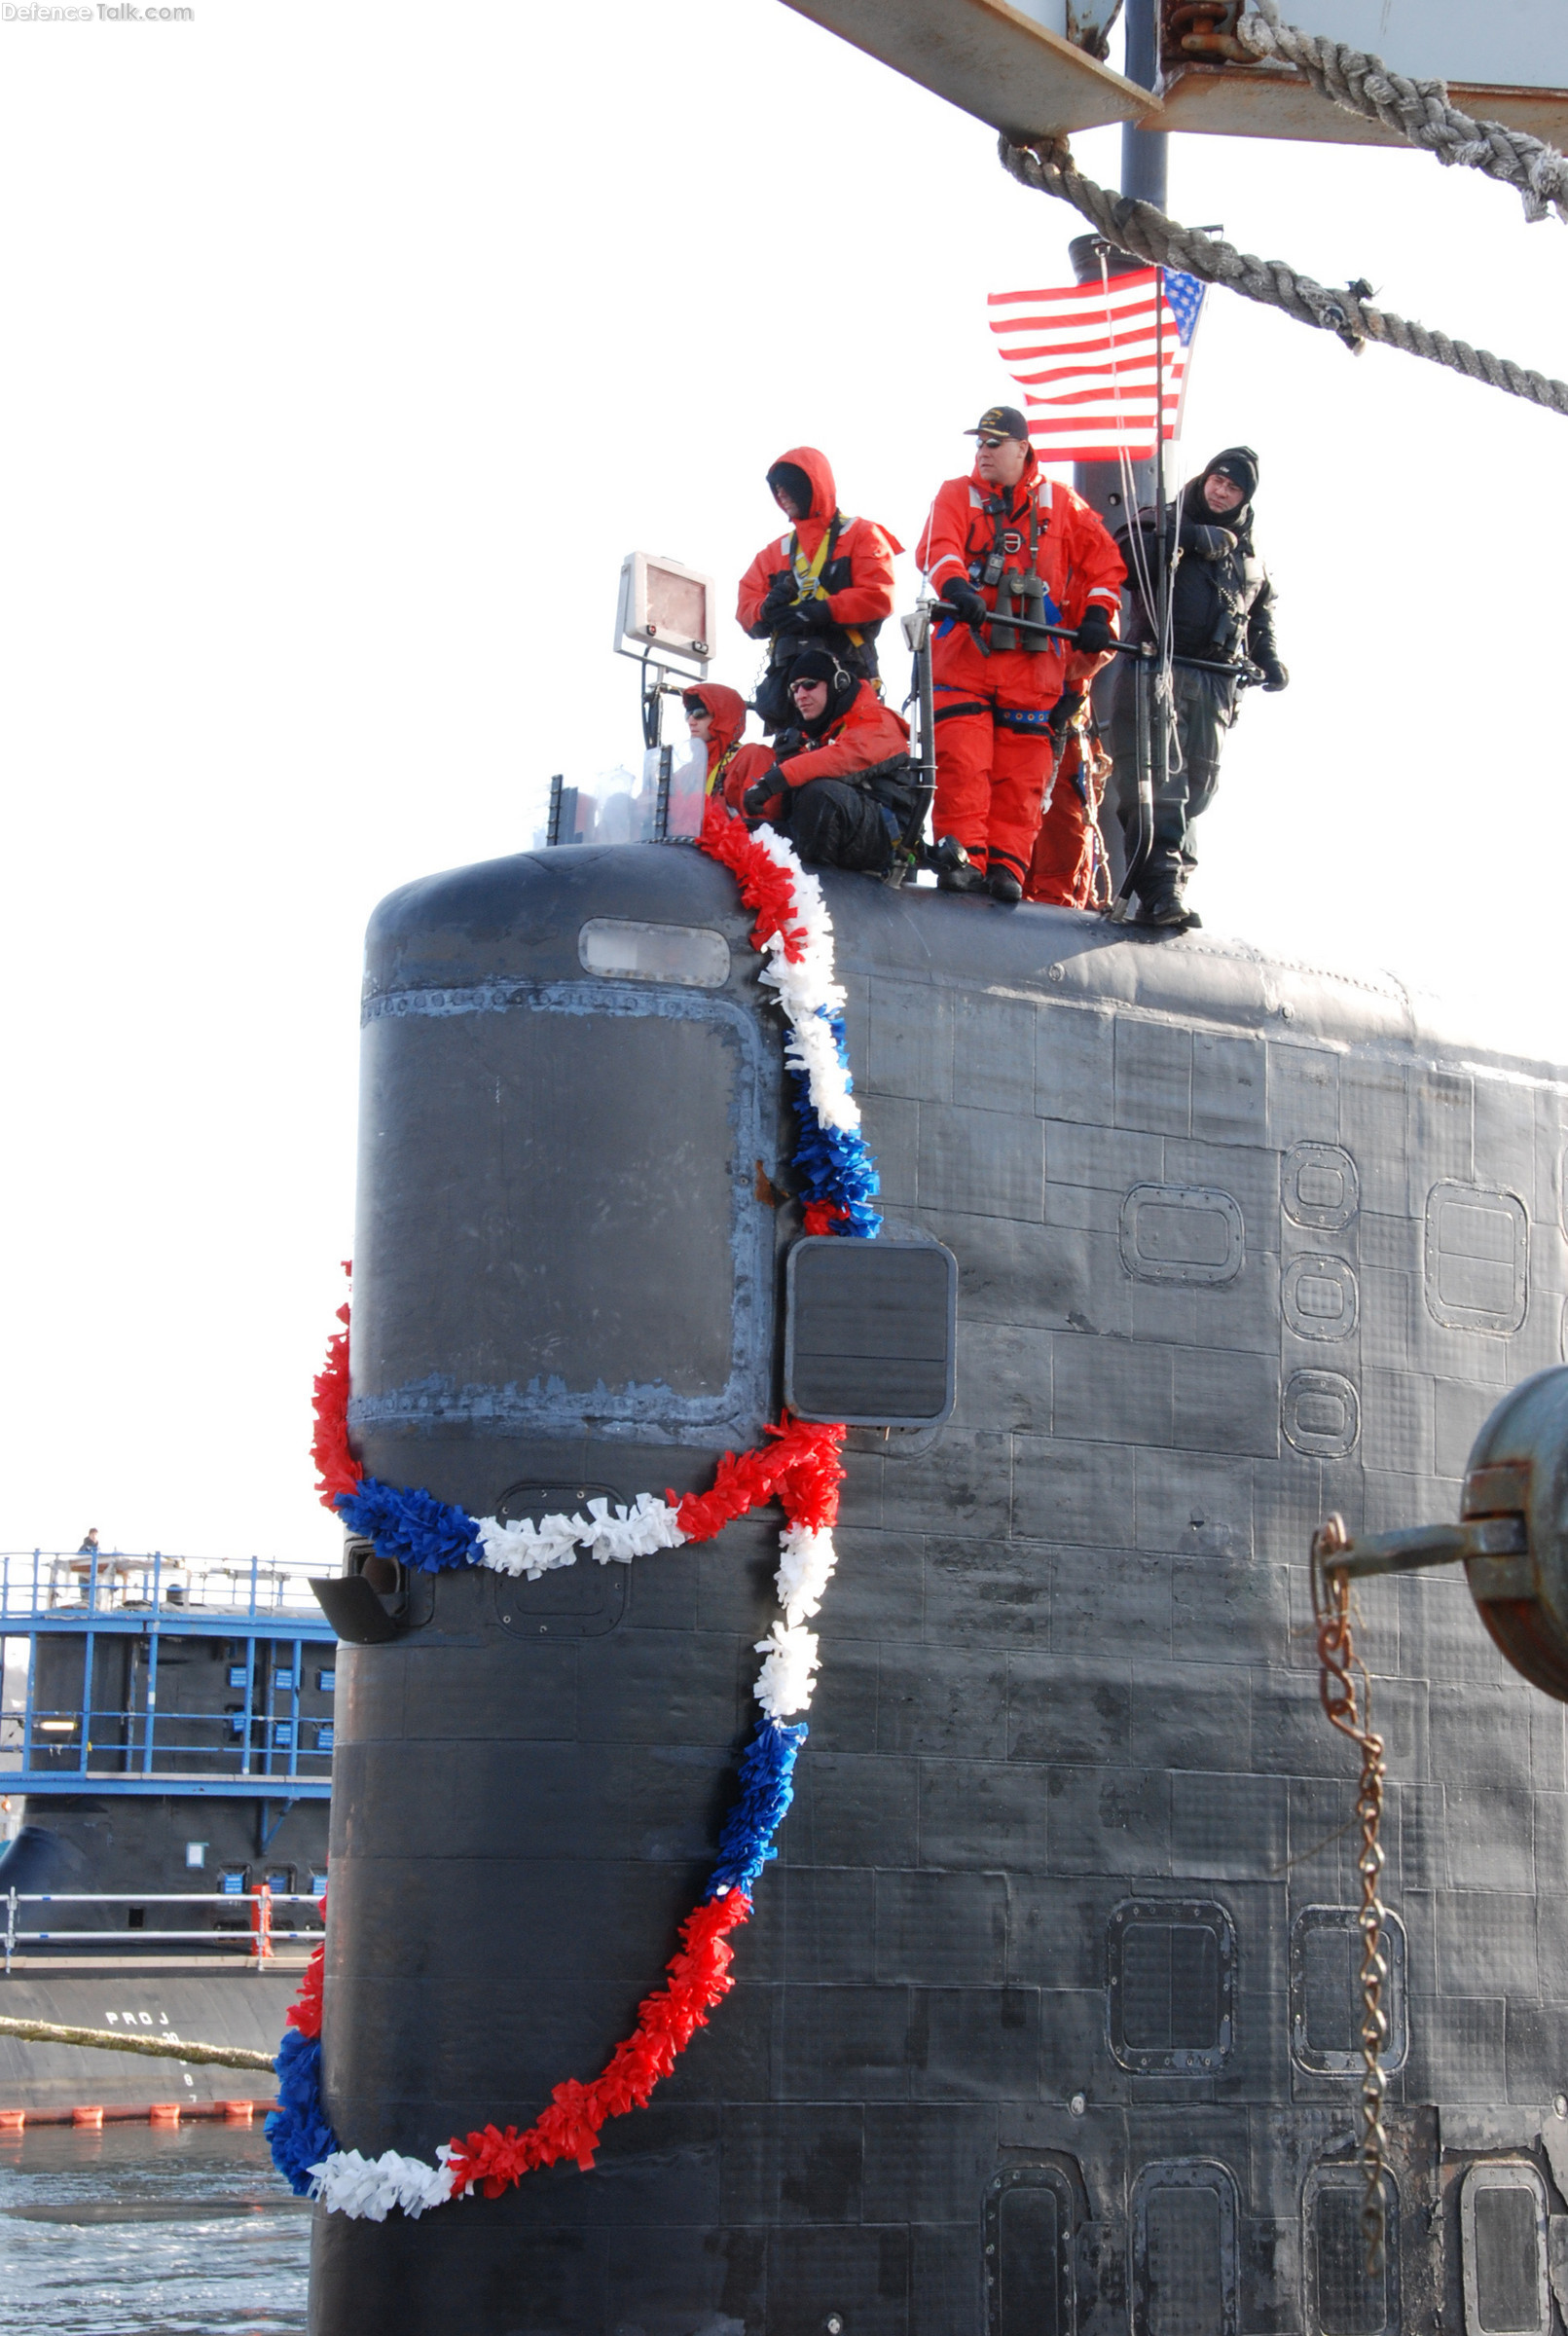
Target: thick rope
x=1417, y=110
x=1047, y=166
x=157, y=2048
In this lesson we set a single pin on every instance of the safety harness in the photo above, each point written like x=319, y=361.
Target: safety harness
x=808, y=574
x=716, y=777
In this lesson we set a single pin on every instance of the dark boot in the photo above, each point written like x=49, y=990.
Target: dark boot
x=1004, y=886
x=1161, y=906
x=960, y=880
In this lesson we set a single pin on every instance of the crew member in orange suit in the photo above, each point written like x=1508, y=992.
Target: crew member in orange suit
x=1068, y=852
x=1008, y=533
x=717, y=716
x=815, y=792
x=826, y=584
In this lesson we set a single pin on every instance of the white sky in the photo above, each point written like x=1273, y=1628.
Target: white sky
x=349, y=349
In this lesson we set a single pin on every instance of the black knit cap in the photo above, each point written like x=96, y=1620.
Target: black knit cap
x=790, y=479
x=821, y=665
x=1238, y=464
x=814, y=665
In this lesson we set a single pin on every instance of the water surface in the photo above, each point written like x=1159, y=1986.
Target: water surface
x=143, y=2232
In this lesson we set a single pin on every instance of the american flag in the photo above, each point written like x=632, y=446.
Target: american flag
x=1093, y=358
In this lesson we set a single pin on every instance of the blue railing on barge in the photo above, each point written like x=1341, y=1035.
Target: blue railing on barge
x=266, y=1748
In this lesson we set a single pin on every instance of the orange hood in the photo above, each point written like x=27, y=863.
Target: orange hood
x=728, y=709
x=824, y=495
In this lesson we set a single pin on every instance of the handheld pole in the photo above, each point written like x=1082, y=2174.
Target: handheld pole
x=907, y=847
x=1243, y=671
x=1159, y=762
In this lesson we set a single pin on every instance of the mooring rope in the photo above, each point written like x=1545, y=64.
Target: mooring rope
x=1046, y=164
x=157, y=2048
x=1420, y=111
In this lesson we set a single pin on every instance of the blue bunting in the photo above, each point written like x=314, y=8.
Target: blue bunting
x=413, y=1526
x=767, y=1788
x=297, y=2131
x=836, y=1163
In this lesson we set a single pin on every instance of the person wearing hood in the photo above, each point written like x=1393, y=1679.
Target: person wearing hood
x=1221, y=615
x=1008, y=541
x=826, y=584
x=717, y=716
x=817, y=790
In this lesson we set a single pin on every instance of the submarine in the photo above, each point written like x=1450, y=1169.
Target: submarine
x=1046, y=2016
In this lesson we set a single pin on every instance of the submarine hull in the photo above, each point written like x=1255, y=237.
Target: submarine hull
x=1044, y=2017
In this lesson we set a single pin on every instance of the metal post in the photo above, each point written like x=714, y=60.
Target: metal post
x=294, y=1723
x=652, y=707
x=661, y=803
x=11, y=1927
x=87, y=1697
x=1143, y=151
x=28, y=1709
x=1144, y=172
x=152, y=1697
x=1159, y=761
x=927, y=719
x=552, y=825
x=250, y=1689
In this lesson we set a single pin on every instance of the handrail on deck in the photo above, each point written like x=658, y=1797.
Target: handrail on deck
x=110, y=1580
x=264, y=1935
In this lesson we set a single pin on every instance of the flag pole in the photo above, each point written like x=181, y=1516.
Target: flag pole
x=1160, y=726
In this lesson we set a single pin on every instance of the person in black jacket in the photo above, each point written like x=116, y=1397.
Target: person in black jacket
x=1221, y=615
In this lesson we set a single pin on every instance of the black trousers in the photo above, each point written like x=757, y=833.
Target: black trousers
x=1202, y=710
x=839, y=827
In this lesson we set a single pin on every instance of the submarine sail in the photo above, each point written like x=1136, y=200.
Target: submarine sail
x=1045, y=2018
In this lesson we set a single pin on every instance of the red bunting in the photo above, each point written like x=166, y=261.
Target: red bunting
x=799, y=1467
x=667, y=2021
x=305, y=2012
x=764, y=884
x=337, y=1469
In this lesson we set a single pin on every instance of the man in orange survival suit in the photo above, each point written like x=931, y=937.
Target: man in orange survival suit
x=842, y=728
x=828, y=584
x=1006, y=529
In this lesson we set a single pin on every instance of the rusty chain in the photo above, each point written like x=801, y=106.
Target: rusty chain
x=1338, y=1662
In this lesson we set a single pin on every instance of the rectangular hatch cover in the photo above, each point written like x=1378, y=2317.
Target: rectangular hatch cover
x=869, y=1334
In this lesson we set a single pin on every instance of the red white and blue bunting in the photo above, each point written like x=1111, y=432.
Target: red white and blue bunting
x=799, y=1465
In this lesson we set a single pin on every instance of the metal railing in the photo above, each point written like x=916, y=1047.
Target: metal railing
x=152, y=1584
x=273, y=1738
x=260, y=1938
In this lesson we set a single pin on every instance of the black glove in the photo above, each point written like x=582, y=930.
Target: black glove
x=959, y=593
x=761, y=792
x=815, y=616
x=1212, y=544
x=1063, y=714
x=1275, y=675
x=1094, y=635
x=781, y=598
